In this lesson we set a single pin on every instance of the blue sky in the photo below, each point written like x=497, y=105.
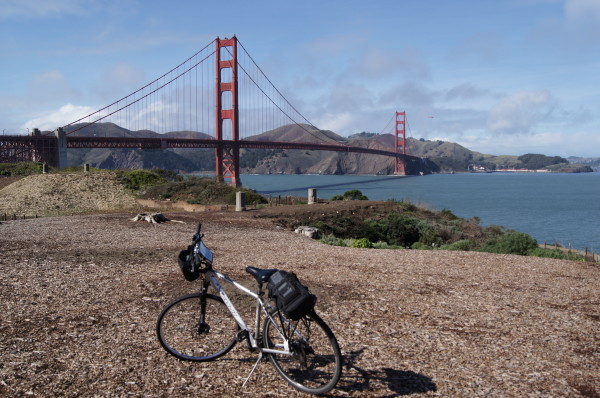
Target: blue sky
x=497, y=76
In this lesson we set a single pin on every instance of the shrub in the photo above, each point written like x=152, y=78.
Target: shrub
x=420, y=246
x=428, y=234
x=512, y=243
x=337, y=197
x=139, y=179
x=400, y=229
x=168, y=175
x=463, y=245
x=555, y=253
x=448, y=214
x=251, y=197
x=362, y=243
x=354, y=194
x=385, y=245
x=332, y=240
x=20, y=169
x=407, y=206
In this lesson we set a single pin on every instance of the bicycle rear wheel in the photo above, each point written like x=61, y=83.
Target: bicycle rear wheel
x=188, y=334
x=315, y=363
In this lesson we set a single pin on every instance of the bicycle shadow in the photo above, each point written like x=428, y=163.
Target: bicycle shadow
x=401, y=382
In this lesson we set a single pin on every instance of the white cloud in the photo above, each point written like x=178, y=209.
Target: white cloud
x=48, y=87
x=582, y=18
x=466, y=91
x=377, y=63
x=520, y=112
x=547, y=143
x=32, y=9
x=407, y=94
x=581, y=10
x=332, y=45
x=119, y=80
x=336, y=122
x=57, y=118
x=482, y=47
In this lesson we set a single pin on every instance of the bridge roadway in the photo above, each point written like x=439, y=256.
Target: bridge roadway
x=164, y=143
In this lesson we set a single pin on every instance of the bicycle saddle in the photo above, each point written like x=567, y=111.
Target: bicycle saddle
x=261, y=275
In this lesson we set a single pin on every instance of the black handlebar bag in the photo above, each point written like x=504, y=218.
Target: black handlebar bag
x=187, y=263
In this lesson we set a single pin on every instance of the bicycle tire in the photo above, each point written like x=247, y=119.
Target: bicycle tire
x=315, y=365
x=180, y=333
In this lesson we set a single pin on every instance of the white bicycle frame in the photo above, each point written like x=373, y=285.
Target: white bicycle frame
x=214, y=277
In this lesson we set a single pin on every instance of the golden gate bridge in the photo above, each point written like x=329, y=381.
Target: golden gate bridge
x=218, y=98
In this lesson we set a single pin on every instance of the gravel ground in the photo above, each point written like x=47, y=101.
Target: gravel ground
x=81, y=295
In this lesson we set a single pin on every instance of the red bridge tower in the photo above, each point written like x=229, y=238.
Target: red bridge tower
x=400, y=165
x=228, y=151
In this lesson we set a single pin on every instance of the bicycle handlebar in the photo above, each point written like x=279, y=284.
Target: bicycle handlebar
x=197, y=236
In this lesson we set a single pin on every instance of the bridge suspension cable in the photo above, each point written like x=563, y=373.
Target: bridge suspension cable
x=388, y=126
x=181, y=102
x=285, y=107
x=168, y=103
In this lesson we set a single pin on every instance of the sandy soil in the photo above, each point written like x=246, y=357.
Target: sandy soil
x=80, y=296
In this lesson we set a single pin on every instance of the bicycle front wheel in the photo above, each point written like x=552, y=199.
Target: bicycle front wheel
x=188, y=332
x=314, y=361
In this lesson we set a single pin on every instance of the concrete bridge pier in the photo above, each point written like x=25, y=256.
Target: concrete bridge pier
x=61, y=148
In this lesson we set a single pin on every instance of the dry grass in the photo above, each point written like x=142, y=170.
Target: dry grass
x=60, y=194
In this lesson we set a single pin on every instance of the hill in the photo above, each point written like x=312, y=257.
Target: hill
x=594, y=163
x=179, y=160
x=61, y=194
x=439, y=156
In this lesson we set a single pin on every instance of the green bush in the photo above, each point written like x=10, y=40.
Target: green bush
x=555, y=253
x=400, y=230
x=139, y=179
x=428, y=233
x=420, y=246
x=448, y=214
x=337, y=197
x=512, y=243
x=385, y=245
x=463, y=245
x=168, y=175
x=408, y=206
x=332, y=240
x=354, y=194
x=20, y=169
x=362, y=243
x=251, y=197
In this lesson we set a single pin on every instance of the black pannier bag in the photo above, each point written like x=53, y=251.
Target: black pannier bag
x=291, y=296
x=191, y=270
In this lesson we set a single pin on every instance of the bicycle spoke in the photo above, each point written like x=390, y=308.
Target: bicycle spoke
x=314, y=365
x=181, y=332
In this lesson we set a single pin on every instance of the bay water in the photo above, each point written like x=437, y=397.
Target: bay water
x=551, y=207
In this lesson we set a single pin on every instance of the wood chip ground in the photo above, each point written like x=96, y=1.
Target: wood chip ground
x=80, y=296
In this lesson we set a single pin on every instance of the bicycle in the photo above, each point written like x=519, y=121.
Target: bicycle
x=203, y=327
